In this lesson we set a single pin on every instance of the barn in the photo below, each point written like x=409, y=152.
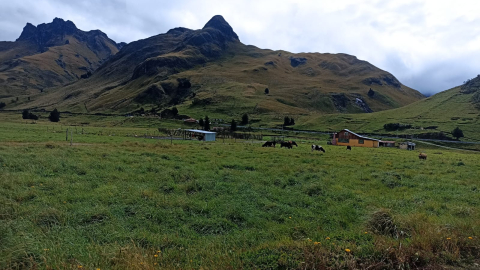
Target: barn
x=202, y=135
x=349, y=138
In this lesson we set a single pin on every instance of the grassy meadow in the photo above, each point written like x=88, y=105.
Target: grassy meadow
x=112, y=201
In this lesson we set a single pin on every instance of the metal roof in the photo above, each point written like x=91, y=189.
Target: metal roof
x=360, y=136
x=200, y=131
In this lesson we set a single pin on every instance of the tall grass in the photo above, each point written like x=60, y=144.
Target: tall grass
x=115, y=202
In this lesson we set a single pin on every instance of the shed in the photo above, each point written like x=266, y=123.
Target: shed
x=201, y=135
x=387, y=143
x=349, y=138
x=407, y=146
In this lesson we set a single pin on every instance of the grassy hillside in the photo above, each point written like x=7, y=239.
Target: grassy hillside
x=439, y=113
x=115, y=202
x=209, y=71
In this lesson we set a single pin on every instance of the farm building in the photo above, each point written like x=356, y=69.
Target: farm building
x=201, y=135
x=387, y=143
x=190, y=120
x=348, y=138
x=407, y=146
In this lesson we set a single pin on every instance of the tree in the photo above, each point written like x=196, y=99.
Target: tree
x=292, y=122
x=244, y=119
x=175, y=111
x=457, y=133
x=233, y=126
x=25, y=114
x=207, y=124
x=286, y=121
x=201, y=122
x=267, y=91
x=2, y=104
x=54, y=116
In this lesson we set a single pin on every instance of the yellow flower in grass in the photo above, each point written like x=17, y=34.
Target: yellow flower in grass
x=470, y=237
x=316, y=243
x=328, y=238
x=155, y=255
x=347, y=250
x=366, y=232
x=448, y=238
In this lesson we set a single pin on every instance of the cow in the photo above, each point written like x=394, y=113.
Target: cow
x=293, y=143
x=286, y=144
x=269, y=144
x=349, y=147
x=318, y=148
x=422, y=156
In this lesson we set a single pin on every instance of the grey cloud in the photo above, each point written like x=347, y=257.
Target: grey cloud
x=398, y=37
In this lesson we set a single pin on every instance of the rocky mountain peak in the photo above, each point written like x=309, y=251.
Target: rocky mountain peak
x=44, y=32
x=219, y=23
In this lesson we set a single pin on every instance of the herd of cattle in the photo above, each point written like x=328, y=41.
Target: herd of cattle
x=290, y=144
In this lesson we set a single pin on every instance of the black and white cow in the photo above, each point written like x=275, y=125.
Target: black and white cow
x=318, y=148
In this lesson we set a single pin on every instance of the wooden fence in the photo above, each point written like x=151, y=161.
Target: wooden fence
x=220, y=134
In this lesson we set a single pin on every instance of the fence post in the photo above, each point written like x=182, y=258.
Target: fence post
x=66, y=135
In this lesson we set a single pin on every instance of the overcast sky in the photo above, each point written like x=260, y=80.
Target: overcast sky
x=430, y=46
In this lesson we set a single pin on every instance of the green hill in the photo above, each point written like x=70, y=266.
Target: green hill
x=209, y=71
x=457, y=107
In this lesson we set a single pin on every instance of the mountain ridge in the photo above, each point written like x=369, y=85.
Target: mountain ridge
x=49, y=55
x=211, y=66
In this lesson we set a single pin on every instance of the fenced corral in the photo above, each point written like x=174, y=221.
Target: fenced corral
x=221, y=134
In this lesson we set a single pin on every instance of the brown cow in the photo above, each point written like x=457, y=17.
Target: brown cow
x=422, y=156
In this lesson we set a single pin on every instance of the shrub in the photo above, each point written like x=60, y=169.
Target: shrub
x=207, y=124
x=267, y=91
x=233, y=125
x=457, y=133
x=244, y=119
x=28, y=115
x=55, y=116
x=2, y=105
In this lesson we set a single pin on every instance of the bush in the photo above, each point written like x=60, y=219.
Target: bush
x=233, y=126
x=55, y=116
x=25, y=114
x=396, y=126
x=244, y=119
x=267, y=91
x=28, y=115
x=2, y=105
x=457, y=133
x=207, y=124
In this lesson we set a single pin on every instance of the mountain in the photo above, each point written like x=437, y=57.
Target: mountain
x=210, y=71
x=433, y=117
x=50, y=55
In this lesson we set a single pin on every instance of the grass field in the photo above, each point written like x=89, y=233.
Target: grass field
x=117, y=202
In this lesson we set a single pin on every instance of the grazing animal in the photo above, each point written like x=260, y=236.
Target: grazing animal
x=422, y=156
x=293, y=143
x=286, y=144
x=349, y=147
x=318, y=148
x=269, y=144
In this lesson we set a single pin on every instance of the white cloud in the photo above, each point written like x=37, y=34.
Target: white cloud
x=428, y=45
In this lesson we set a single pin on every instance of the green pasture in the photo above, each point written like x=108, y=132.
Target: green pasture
x=112, y=201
